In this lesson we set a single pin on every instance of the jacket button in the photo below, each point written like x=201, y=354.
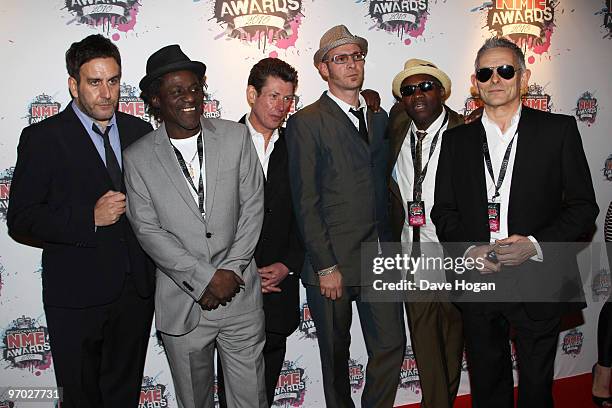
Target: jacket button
x=268, y=210
x=208, y=234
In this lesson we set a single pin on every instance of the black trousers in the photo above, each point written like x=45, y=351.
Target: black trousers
x=274, y=357
x=99, y=352
x=487, y=340
x=604, y=334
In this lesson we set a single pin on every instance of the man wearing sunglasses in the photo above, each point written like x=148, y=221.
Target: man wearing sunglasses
x=337, y=162
x=509, y=185
x=415, y=133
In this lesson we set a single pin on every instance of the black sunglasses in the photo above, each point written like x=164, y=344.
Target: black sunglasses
x=424, y=86
x=504, y=71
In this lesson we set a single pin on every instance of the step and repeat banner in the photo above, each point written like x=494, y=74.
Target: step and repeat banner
x=568, y=46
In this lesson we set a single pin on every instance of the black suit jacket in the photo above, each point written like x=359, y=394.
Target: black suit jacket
x=58, y=178
x=551, y=199
x=279, y=242
x=338, y=187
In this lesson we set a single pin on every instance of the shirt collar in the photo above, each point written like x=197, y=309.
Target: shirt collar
x=88, y=121
x=254, y=133
x=345, y=106
x=486, y=121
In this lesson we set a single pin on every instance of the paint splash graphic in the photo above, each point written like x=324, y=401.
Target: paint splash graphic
x=108, y=15
x=401, y=18
x=26, y=345
x=264, y=23
x=606, y=12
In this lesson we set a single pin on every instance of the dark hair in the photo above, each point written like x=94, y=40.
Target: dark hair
x=91, y=47
x=500, y=42
x=271, y=67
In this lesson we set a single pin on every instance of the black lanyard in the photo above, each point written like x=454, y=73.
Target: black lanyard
x=418, y=182
x=200, y=190
x=504, y=165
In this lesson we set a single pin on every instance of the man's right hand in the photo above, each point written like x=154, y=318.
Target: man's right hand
x=109, y=208
x=331, y=285
x=223, y=286
x=480, y=253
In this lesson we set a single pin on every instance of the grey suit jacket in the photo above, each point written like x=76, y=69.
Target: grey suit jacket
x=186, y=248
x=338, y=187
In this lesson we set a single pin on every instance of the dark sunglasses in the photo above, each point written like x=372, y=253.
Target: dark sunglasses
x=424, y=86
x=504, y=71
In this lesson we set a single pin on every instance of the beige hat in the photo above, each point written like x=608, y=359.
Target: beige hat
x=417, y=66
x=335, y=37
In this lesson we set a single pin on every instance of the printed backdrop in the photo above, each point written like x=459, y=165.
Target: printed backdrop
x=568, y=47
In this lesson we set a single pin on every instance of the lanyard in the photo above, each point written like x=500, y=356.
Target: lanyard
x=418, y=182
x=504, y=165
x=200, y=190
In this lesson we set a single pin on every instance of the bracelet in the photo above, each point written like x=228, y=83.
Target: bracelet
x=327, y=271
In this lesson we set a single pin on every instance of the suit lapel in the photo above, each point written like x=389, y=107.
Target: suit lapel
x=211, y=153
x=341, y=119
x=277, y=162
x=527, y=134
x=167, y=158
x=401, y=130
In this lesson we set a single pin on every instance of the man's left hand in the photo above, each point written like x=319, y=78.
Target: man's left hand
x=372, y=99
x=514, y=250
x=272, y=276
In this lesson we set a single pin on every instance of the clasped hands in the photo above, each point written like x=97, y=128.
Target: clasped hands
x=223, y=286
x=511, y=251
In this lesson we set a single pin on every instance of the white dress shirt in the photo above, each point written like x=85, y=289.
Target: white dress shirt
x=189, y=150
x=346, y=108
x=259, y=142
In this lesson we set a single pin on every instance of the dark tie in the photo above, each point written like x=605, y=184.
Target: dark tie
x=112, y=165
x=417, y=188
x=363, y=130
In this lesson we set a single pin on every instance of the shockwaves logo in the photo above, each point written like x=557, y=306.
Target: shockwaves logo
x=607, y=169
x=42, y=107
x=130, y=103
x=400, y=17
x=307, y=326
x=211, y=107
x=118, y=15
x=586, y=108
x=263, y=21
x=409, y=373
x=601, y=284
x=572, y=342
x=26, y=345
x=291, y=386
x=152, y=394
x=6, y=177
x=528, y=23
x=356, y=375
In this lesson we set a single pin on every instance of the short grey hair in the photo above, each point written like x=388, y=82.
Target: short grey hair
x=500, y=42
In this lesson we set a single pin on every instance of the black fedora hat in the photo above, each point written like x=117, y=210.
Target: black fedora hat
x=169, y=59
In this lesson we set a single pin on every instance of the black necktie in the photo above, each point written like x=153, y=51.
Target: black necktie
x=112, y=165
x=363, y=130
x=417, y=188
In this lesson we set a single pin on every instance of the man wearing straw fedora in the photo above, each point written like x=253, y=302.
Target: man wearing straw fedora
x=195, y=200
x=415, y=134
x=337, y=162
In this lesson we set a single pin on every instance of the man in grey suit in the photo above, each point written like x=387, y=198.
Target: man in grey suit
x=337, y=164
x=195, y=201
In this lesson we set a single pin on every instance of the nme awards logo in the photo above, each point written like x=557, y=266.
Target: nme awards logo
x=535, y=98
x=152, y=394
x=572, y=342
x=528, y=23
x=211, y=107
x=607, y=170
x=130, y=103
x=356, y=375
x=119, y=15
x=601, y=284
x=264, y=21
x=291, y=386
x=409, y=373
x=400, y=16
x=586, y=108
x=42, y=107
x=26, y=345
x=6, y=177
x=307, y=326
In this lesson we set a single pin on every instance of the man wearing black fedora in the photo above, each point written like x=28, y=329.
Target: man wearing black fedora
x=195, y=201
x=337, y=165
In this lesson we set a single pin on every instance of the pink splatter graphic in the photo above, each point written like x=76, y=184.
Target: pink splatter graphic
x=407, y=41
x=131, y=21
x=285, y=43
x=420, y=28
x=542, y=48
x=273, y=54
x=116, y=37
x=531, y=59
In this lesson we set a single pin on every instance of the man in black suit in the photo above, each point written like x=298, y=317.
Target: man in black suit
x=68, y=193
x=337, y=164
x=507, y=186
x=279, y=254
